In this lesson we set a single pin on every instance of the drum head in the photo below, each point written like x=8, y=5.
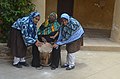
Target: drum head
x=45, y=48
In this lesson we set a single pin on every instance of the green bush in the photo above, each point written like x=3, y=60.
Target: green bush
x=10, y=11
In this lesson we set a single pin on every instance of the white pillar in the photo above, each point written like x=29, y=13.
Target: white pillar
x=115, y=32
x=40, y=7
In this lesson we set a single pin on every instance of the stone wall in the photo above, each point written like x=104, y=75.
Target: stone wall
x=6, y=54
x=5, y=51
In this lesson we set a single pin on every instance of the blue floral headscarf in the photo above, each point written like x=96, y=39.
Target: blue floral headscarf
x=28, y=28
x=33, y=15
x=72, y=26
x=65, y=16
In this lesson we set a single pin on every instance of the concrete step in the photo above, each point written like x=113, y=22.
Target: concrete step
x=100, y=44
x=97, y=33
x=100, y=48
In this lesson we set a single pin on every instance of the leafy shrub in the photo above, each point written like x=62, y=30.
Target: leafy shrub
x=10, y=11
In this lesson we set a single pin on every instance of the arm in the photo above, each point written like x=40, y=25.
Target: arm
x=28, y=33
x=17, y=24
x=29, y=36
x=74, y=37
x=53, y=37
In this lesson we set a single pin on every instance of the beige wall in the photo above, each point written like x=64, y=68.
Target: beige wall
x=40, y=7
x=96, y=14
x=51, y=6
x=90, y=13
x=115, y=33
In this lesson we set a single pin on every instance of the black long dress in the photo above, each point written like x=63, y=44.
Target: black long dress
x=55, y=54
x=16, y=43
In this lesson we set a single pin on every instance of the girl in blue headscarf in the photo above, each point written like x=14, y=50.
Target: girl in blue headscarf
x=23, y=34
x=71, y=33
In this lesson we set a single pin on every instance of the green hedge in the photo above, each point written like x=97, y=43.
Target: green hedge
x=10, y=11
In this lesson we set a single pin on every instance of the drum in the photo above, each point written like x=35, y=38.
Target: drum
x=45, y=52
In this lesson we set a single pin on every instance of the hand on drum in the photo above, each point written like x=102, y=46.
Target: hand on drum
x=53, y=37
x=46, y=47
x=55, y=46
x=38, y=43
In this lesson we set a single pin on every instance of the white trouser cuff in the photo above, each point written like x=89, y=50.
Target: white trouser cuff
x=67, y=59
x=22, y=59
x=71, y=59
x=16, y=60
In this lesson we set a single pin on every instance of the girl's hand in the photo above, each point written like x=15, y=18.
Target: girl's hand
x=55, y=46
x=38, y=43
x=44, y=40
x=53, y=37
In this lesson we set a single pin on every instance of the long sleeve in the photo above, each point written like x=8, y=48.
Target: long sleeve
x=60, y=35
x=74, y=37
x=29, y=35
x=17, y=24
